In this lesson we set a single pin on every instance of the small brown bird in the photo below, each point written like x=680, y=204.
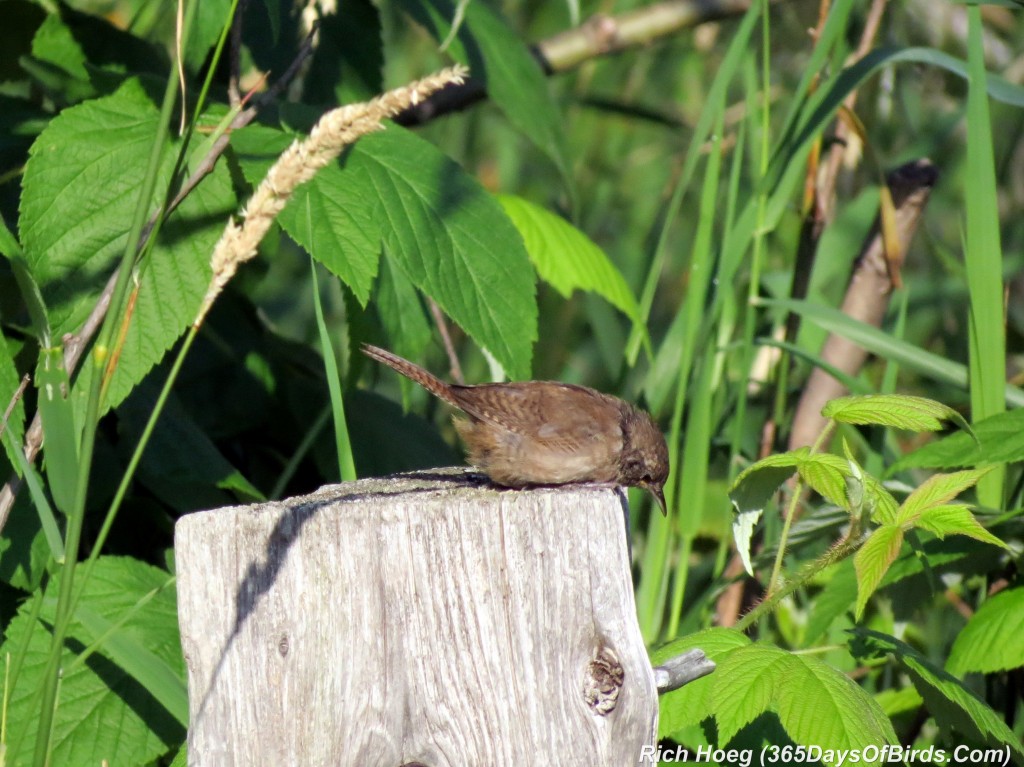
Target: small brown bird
x=548, y=433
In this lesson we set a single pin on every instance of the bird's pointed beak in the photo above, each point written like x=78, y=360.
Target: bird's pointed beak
x=659, y=495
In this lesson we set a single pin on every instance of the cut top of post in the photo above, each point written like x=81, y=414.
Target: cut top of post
x=427, y=618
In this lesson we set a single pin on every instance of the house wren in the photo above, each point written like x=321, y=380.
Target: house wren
x=549, y=433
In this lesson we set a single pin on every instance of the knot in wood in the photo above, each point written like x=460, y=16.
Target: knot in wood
x=603, y=681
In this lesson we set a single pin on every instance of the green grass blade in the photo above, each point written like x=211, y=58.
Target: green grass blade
x=60, y=447
x=738, y=48
x=884, y=345
x=983, y=256
x=346, y=464
x=147, y=668
x=47, y=518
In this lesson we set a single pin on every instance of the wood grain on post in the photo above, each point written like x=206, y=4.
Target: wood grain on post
x=424, y=619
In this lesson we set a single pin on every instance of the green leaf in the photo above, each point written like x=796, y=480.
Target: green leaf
x=826, y=474
x=342, y=443
x=873, y=559
x=816, y=704
x=54, y=44
x=900, y=411
x=955, y=519
x=327, y=216
x=158, y=676
x=27, y=286
x=447, y=235
x=690, y=705
x=983, y=255
x=44, y=512
x=884, y=345
x=737, y=699
x=753, y=489
x=104, y=712
x=882, y=506
x=935, y=491
x=9, y=382
x=174, y=279
x=991, y=640
x=952, y=704
x=565, y=257
x=401, y=314
x=999, y=439
x=895, y=702
x=60, y=447
x=511, y=75
x=451, y=239
x=81, y=178
x=81, y=181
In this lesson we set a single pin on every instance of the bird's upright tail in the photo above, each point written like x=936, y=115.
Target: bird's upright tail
x=413, y=372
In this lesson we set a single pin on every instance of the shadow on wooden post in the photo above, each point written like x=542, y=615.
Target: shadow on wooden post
x=422, y=619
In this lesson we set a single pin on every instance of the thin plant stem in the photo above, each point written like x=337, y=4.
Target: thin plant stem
x=794, y=501
x=99, y=354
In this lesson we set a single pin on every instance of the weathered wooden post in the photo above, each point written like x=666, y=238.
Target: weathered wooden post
x=424, y=619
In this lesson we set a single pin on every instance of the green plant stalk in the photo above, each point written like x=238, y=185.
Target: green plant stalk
x=875, y=463
x=346, y=464
x=757, y=256
x=133, y=462
x=299, y=453
x=73, y=535
x=147, y=432
x=691, y=477
x=652, y=591
x=983, y=257
x=836, y=554
x=794, y=500
x=716, y=95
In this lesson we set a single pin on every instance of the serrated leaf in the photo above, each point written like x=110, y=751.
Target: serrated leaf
x=896, y=702
x=690, y=705
x=952, y=704
x=739, y=698
x=54, y=44
x=955, y=519
x=81, y=179
x=999, y=439
x=821, y=705
x=448, y=236
x=752, y=490
x=873, y=559
x=816, y=704
x=935, y=491
x=900, y=411
x=991, y=640
x=758, y=481
x=104, y=713
x=401, y=313
x=881, y=504
x=565, y=257
x=826, y=474
x=452, y=240
x=86, y=170
x=326, y=215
